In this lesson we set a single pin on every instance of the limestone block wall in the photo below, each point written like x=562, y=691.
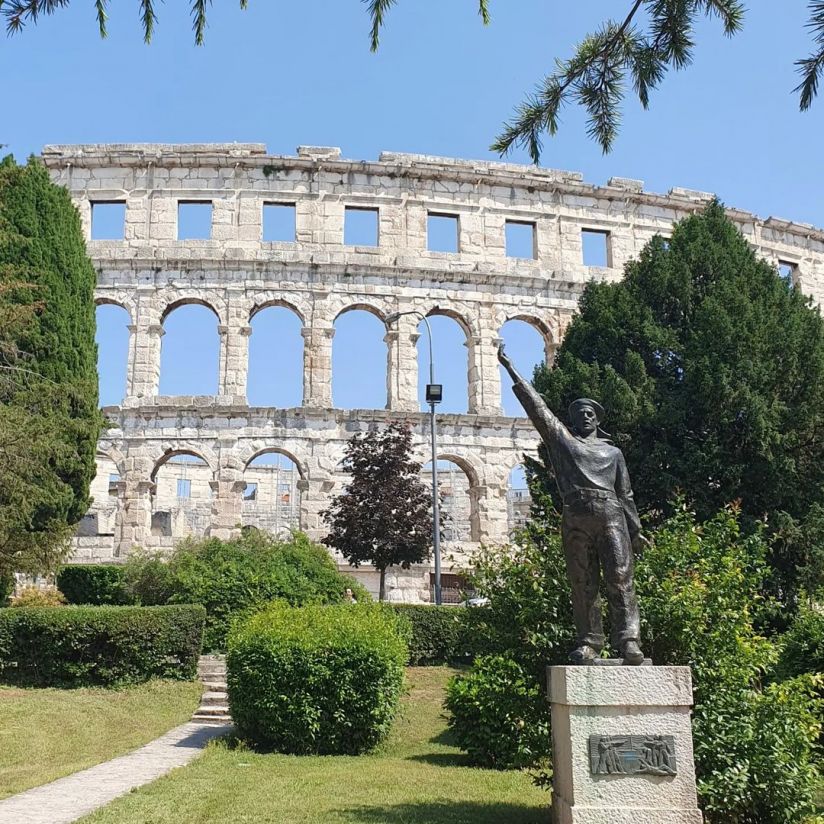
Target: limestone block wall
x=235, y=272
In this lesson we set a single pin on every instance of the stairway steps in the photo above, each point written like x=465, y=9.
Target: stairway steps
x=214, y=704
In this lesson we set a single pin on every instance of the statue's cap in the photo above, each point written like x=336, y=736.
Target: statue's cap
x=577, y=404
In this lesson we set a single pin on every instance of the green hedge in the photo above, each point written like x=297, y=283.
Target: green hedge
x=93, y=584
x=6, y=587
x=438, y=633
x=316, y=679
x=99, y=646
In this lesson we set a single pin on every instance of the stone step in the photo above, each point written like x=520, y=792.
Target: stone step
x=212, y=669
x=216, y=685
x=213, y=699
x=217, y=720
x=213, y=711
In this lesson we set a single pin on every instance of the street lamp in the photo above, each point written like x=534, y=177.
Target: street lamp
x=434, y=395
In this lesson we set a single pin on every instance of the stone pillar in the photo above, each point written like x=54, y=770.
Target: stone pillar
x=489, y=514
x=622, y=745
x=143, y=371
x=315, y=494
x=484, y=376
x=234, y=361
x=402, y=365
x=227, y=500
x=133, y=519
x=317, y=365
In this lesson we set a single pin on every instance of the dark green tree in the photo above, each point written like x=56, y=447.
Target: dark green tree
x=711, y=368
x=637, y=49
x=383, y=517
x=49, y=421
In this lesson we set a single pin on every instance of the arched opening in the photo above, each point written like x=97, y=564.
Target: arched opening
x=271, y=497
x=526, y=347
x=518, y=500
x=275, y=376
x=449, y=346
x=112, y=338
x=359, y=360
x=190, y=351
x=99, y=520
x=456, y=503
x=182, y=498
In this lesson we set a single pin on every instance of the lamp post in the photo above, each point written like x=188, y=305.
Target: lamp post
x=434, y=395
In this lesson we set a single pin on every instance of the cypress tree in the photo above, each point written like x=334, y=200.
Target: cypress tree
x=49, y=419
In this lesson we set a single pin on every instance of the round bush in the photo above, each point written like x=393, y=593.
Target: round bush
x=94, y=584
x=316, y=679
x=498, y=715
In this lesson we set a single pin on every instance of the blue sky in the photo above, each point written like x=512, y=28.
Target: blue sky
x=442, y=83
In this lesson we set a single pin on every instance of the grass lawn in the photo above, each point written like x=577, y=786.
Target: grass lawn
x=416, y=777
x=48, y=733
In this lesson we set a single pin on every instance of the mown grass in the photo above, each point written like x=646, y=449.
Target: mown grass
x=417, y=776
x=48, y=733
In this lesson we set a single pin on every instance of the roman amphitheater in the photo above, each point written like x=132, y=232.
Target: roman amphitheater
x=170, y=466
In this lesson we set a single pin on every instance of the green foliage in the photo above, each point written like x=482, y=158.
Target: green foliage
x=383, y=516
x=700, y=586
x=316, y=679
x=803, y=644
x=499, y=715
x=437, y=633
x=529, y=616
x=232, y=577
x=49, y=421
x=95, y=584
x=32, y=596
x=6, y=587
x=99, y=646
x=712, y=370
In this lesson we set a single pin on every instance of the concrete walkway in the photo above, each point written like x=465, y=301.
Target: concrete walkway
x=74, y=796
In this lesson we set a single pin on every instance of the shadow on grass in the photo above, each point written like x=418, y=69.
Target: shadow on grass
x=443, y=759
x=446, y=812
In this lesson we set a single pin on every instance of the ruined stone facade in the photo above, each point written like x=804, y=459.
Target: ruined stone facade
x=149, y=272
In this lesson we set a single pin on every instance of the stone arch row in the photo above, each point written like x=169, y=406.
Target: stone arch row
x=480, y=323
x=318, y=479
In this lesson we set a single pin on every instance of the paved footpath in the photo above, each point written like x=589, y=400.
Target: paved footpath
x=74, y=796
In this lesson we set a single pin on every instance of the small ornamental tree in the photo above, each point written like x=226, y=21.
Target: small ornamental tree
x=383, y=516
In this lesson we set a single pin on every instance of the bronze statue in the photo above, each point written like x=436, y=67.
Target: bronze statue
x=600, y=523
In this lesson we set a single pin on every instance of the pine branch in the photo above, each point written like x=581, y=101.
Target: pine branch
x=377, y=9
x=100, y=10
x=148, y=18
x=199, y=23
x=483, y=10
x=811, y=68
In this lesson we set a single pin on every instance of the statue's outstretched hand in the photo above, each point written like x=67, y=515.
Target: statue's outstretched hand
x=504, y=358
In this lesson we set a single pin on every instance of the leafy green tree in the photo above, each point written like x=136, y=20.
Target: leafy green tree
x=639, y=48
x=711, y=368
x=49, y=421
x=383, y=516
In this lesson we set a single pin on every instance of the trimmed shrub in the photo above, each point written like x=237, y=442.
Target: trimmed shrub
x=499, y=715
x=99, y=646
x=316, y=679
x=94, y=584
x=437, y=635
x=31, y=596
x=230, y=578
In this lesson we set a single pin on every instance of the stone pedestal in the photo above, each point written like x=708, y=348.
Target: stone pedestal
x=622, y=745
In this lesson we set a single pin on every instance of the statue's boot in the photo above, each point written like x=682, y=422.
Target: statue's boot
x=631, y=653
x=583, y=654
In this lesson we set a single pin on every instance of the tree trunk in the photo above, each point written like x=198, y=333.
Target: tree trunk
x=382, y=590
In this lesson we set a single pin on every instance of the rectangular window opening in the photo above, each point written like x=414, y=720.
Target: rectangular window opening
x=787, y=271
x=360, y=226
x=595, y=245
x=520, y=239
x=184, y=488
x=250, y=492
x=194, y=219
x=442, y=232
x=279, y=223
x=108, y=219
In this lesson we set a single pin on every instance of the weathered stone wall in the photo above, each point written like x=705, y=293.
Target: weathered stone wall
x=235, y=273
